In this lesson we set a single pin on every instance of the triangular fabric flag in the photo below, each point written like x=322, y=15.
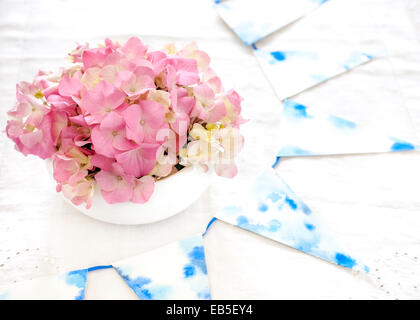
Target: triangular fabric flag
x=305, y=132
x=293, y=71
x=175, y=271
x=271, y=209
x=67, y=286
x=253, y=20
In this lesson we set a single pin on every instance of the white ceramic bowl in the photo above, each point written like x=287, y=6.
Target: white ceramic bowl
x=171, y=195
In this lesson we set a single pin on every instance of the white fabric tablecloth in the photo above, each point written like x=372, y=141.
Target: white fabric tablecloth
x=372, y=202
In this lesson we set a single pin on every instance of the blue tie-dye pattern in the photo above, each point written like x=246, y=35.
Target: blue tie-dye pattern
x=272, y=187
x=160, y=292
x=292, y=204
x=341, y=123
x=263, y=207
x=249, y=29
x=402, y=146
x=194, y=273
x=278, y=55
x=309, y=226
x=204, y=295
x=344, y=260
x=194, y=250
x=197, y=258
x=275, y=196
x=3, y=296
x=246, y=33
x=286, y=220
x=305, y=209
x=273, y=57
x=142, y=286
x=295, y=110
x=77, y=278
x=288, y=151
x=189, y=271
x=306, y=244
x=243, y=222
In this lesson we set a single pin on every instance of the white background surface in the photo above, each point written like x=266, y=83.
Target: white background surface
x=372, y=202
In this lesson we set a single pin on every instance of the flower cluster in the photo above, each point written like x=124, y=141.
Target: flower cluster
x=124, y=116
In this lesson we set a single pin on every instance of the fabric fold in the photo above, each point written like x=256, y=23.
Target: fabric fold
x=175, y=271
x=253, y=20
x=271, y=209
x=66, y=286
x=306, y=132
x=293, y=71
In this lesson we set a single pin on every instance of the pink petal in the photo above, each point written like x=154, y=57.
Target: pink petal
x=107, y=180
x=59, y=122
x=226, y=170
x=235, y=99
x=132, y=116
x=123, y=193
x=69, y=86
x=121, y=143
x=94, y=57
x=213, y=80
x=102, y=162
x=112, y=121
x=79, y=120
x=143, y=190
x=101, y=100
x=186, y=70
x=21, y=110
x=140, y=161
x=153, y=113
x=102, y=142
x=199, y=111
x=134, y=48
x=217, y=112
x=113, y=96
x=31, y=139
x=63, y=103
x=181, y=102
x=204, y=93
x=157, y=58
x=181, y=124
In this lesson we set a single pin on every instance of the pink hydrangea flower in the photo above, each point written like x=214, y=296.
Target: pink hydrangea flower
x=109, y=138
x=144, y=121
x=123, y=116
x=80, y=192
x=98, y=103
x=143, y=189
x=137, y=82
x=116, y=186
x=141, y=160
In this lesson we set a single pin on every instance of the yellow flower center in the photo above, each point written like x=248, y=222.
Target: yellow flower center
x=39, y=94
x=29, y=127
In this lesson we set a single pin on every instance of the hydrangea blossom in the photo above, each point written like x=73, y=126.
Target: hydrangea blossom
x=125, y=116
